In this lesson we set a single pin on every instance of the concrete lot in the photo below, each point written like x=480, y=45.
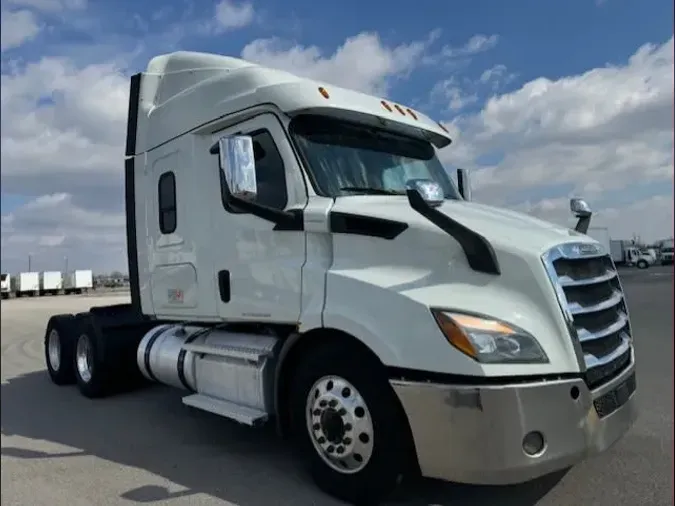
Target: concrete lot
x=61, y=449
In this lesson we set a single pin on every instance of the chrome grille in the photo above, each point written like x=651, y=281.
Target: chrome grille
x=591, y=298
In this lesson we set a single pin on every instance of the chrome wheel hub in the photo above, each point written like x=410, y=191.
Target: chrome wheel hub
x=84, y=358
x=54, y=350
x=340, y=424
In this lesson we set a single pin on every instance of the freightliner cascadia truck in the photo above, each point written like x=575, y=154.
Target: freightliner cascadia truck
x=299, y=255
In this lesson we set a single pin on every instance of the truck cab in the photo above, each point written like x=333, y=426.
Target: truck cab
x=5, y=285
x=298, y=253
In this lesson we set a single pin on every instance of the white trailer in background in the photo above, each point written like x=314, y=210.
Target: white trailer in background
x=601, y=234
x=51, y=282
x=28, y=283
x=5, y=285
x=80, y=281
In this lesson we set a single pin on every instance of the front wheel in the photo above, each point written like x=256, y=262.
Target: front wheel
x=349, y=426
x=642, y=264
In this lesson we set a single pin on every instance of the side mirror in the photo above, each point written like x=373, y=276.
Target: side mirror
x=581, y=210
x=237, y=161
x=464, y=183
x=431, y=191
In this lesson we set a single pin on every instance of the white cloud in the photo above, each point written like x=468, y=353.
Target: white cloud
x=451, y=94
x=362, y=63
x=50, y=5
x=231, y=15
x=599, y=132
x=53, y=227
x=17, y=28
x=62, y=126
x=476, y=44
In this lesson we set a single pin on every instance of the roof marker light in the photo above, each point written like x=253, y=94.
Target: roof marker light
x=399, y=109
x=324, y=92
x=386, y=106
x=443, y=128
x=410, y=111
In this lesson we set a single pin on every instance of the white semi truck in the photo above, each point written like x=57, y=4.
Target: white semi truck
x=298, y=253
x=5, y=285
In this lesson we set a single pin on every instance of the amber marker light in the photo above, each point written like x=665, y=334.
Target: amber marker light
x=324, y=92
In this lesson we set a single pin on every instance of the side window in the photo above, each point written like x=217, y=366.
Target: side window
x=166, y=189
x=270, y=172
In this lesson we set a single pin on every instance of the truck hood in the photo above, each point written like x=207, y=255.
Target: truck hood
x=505, y=229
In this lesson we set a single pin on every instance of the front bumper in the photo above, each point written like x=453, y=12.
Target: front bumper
x=474, y=434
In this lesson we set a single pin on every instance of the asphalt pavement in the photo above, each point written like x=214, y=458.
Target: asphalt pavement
x=59, y=448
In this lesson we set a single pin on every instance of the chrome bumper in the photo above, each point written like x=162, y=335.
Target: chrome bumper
x=475, y=435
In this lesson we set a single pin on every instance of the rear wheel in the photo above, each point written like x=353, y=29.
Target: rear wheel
x=59, y=349
x=349, y=425
x=91, y=364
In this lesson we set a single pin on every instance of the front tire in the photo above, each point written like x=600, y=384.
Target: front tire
x=349, y=426
x=642, y=264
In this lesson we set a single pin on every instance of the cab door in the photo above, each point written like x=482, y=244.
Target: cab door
x=258, y=269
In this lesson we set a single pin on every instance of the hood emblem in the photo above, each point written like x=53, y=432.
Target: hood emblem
x=588, y=249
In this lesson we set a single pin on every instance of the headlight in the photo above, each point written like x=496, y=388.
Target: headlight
x=487, y=340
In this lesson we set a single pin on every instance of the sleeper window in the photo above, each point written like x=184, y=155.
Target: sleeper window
x=167, y=202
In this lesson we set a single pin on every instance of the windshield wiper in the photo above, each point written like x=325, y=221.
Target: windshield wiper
x=370, y=191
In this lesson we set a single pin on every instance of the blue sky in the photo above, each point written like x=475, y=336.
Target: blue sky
x=487, y=69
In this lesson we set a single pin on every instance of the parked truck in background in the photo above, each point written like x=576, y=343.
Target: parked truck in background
x=27, y=284
x=625, y=253
x=51, y=282
x=298, y=254
x=5, y=285
x=79, y=281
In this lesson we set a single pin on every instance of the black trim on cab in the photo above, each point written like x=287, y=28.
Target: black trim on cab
x=345, y=223
x=132, y=118
x=478, y=250
x=418, y=376
x=130, y=192
x=132, y=245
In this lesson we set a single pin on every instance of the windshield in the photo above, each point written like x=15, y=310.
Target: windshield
x=344, y=158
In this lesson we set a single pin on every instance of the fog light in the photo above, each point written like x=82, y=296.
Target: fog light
x=533, y=443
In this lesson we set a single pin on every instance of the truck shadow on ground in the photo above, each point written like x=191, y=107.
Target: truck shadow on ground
x=151, y=430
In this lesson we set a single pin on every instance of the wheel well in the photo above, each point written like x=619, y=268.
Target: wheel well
x=306, y=343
